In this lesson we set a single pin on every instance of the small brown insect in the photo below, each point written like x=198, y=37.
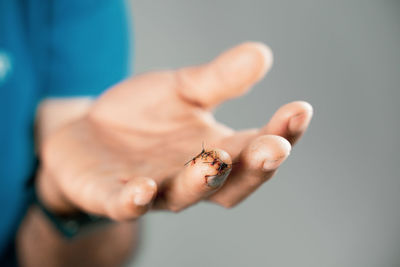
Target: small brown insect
x=222, y=168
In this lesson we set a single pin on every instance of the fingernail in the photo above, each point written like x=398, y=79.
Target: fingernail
x=143, y=198
x=217, y=180
x=298, y=123
x=273, y=164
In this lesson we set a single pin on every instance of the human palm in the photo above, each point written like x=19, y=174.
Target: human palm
x=128, y=153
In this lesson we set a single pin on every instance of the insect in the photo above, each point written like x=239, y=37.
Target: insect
x=221, y=165
x=202, y=154
x=222, y=170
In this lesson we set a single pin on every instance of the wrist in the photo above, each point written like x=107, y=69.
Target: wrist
x=108, y=246
x=69, y=224
x=48, y=193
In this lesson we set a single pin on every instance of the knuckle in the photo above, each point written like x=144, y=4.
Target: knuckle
x=188, y=86
x=185, y=81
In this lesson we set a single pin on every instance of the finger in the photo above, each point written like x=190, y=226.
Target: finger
x=132, y=199
x=202, y=176
x=290, y=121
x=229, y=75
x=117, y=199
x=257, y=163
x=235, y=142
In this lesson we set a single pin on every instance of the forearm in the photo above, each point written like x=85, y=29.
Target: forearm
x=40, y=244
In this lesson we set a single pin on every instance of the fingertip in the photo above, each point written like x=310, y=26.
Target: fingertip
x=223, y=155
x=133, y=200
x=284, y=143
x=299, y=122
x=248, y=62
x=294, y=108
x=216, y=181
x=201, y=177
x=299, y=107
x=266, y=152
x=207, y=172
x=306, y=106
x=265, y=56
x=290, y=121
x=282, y=152
x=144, y=191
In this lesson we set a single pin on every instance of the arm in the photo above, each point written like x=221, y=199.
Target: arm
x=126, y=155
x=39, y=244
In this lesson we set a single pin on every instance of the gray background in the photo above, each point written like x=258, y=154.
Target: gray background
x=335, y=202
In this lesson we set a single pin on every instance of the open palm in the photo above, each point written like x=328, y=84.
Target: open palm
x=128, y=154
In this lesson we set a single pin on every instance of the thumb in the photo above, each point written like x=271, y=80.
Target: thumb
x=230, y=75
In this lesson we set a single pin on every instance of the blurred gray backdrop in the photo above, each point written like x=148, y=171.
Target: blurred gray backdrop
x=336, y=201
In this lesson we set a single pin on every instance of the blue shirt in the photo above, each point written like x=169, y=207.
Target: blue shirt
x=49, y=49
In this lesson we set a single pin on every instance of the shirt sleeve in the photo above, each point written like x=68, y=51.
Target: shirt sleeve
x=89, y=47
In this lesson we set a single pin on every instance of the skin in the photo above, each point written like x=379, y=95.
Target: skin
x=124, y=154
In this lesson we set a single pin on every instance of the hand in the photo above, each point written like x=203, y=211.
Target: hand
x=127, y=154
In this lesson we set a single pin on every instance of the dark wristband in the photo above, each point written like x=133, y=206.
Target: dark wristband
x=72, y=225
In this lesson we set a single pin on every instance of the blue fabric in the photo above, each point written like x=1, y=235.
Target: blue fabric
x=49, y=49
